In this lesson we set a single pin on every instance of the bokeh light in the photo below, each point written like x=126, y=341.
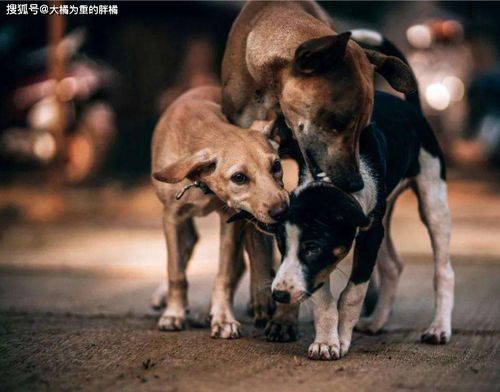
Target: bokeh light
x=437, y=96
x=455, y=88
x=419, y=36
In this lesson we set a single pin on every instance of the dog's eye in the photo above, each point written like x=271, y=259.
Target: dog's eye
x=239, y=178
x=310, y=250
x=276, y=167
x=337, y=123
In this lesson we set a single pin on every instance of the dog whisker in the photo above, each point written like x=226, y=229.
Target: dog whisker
x=264, y=287
x=342, y=272
x=309, y=302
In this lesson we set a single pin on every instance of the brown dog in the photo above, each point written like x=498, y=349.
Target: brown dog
x=193, y=141
x=287, y=58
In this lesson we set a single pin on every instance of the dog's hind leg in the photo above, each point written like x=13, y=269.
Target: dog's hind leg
x=389, y=266
x=223, y=323
x=181, y=238
x=433, y=206
x=259, y=247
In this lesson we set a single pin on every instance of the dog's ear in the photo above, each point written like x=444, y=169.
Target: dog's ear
x=342, y=208
x=189, y=167
x=395, y=71
x=268, y=129
x=320, y=54
x=358, y=217
x=352, y=215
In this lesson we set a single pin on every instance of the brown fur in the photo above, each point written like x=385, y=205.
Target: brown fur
x=262, y=74
x=194, y=141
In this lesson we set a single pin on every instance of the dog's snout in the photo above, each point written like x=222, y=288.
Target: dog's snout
x=355, y=184
x=278, y=210
x=281, y=296
x=352, y=183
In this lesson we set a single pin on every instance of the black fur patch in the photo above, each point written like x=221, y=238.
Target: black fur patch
x=402, y=130
x=327, y=217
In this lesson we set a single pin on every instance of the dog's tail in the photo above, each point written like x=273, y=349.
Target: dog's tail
x=377, y=41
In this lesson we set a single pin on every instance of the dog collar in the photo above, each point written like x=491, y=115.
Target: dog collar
x=197, y=184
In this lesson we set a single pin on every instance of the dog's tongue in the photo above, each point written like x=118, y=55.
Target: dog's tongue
x=239, y=216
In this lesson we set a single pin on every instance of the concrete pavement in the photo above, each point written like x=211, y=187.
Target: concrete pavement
x=74, y=312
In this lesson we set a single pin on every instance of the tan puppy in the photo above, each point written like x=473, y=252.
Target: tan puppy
x=287, y=58
x=193, y=141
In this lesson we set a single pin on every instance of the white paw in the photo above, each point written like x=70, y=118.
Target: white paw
x=324, y=351
x=344, y=347
x=159, y=297
x=170, y=322
x=436, y=334
x=225, y=329
x=368, y=325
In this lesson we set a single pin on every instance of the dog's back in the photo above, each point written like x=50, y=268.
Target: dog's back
x=291, y=22
x=393, y=143
x=179, y=119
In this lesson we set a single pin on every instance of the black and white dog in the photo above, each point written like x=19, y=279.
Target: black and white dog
x=398, y=150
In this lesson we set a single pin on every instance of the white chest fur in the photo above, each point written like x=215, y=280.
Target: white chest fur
x=367, y=197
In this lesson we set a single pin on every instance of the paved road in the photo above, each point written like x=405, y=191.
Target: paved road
x=74, y=315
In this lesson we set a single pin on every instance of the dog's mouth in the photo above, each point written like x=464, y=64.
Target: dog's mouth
x=267, y=228
x=240, y=215
x=307, y=294
x=316, y=172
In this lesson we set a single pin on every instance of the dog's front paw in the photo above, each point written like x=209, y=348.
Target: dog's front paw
x=436, y=334
x=225, y=329
x=170, y=322
x=159, y=297
x=345, y=344
x=324, y=351
x=368, y=326
x=263, y=309
x=277, y=331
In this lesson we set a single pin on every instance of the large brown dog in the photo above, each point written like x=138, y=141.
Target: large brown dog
x=286, y=58
x=193, y=141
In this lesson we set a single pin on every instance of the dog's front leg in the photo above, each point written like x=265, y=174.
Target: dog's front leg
x=351, y=299
x=181, y=238
x=283, y=327
x=223, y=322
x=260, y=252
x=326, y=341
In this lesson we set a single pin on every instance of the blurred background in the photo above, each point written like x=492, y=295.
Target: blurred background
x=81, y=242
x=80, y=96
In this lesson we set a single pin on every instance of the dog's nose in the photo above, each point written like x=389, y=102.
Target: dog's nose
x=351, y=184
x=281, y=296
x=278, y=210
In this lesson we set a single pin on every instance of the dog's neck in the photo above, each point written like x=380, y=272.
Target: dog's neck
x=366, y=197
